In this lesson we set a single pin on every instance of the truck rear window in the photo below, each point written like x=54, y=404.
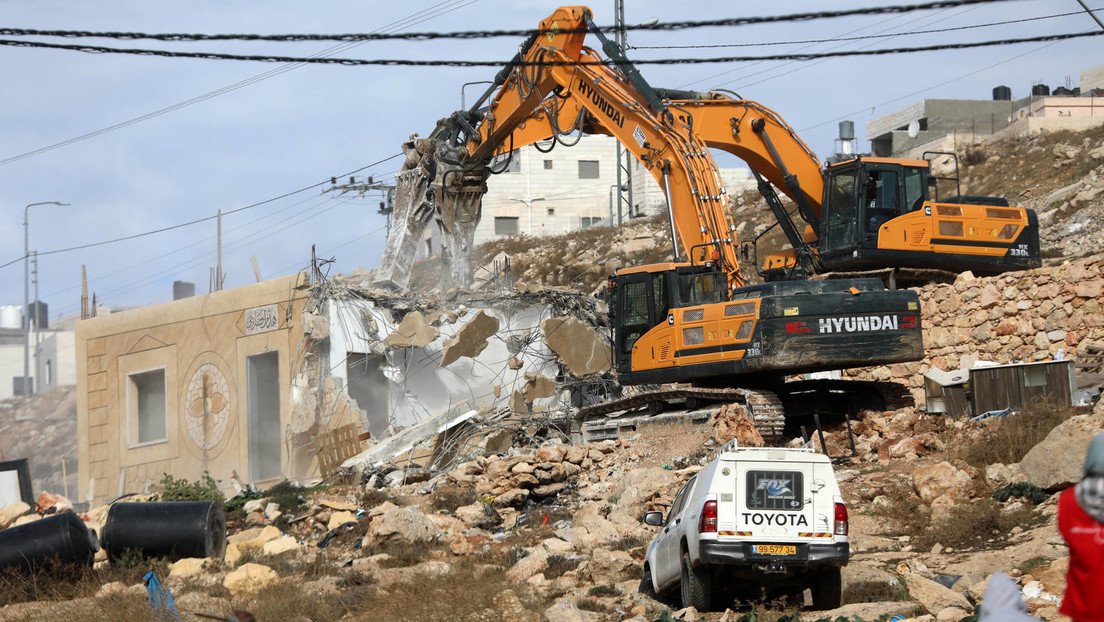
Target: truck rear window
x=775, y=490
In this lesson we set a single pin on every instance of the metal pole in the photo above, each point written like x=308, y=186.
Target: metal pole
x=623, y=156
x=26, y=295
x=37, y=328
x=218, y=270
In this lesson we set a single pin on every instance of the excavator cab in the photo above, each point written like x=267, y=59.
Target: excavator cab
x=863, y=195
x=878, y=213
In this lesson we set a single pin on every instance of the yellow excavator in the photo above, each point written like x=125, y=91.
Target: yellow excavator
x=695, y=319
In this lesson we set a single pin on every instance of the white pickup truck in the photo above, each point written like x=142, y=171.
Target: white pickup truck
x=754, y=522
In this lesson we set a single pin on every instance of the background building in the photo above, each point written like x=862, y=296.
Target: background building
x=939, y=124
x=571, y=188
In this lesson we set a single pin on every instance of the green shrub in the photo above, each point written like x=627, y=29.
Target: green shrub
x=203, y=489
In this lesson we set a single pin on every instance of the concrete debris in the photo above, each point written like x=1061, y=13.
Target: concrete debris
x=471, y=339
x=538, y=386
x=413, y=332
x=583, y=351
x=317, y=327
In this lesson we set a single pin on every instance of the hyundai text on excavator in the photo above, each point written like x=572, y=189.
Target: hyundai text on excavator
x=692, y=320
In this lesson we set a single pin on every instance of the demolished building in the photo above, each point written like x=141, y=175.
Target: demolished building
x=287, y=379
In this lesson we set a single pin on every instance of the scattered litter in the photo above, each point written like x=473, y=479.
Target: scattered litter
x=160, y=598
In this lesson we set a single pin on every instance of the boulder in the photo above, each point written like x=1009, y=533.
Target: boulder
x=933, y=596
x=1058, y=461
x=281, y=545
x=255, y=538
x=534, y=563
x=479, y=515
x=187, y=567
x=249, y=579
x=390, y=522
x=932, y=481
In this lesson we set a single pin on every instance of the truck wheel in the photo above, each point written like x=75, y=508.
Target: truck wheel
x=827, y=588
x=697, y=587
x=646, y=588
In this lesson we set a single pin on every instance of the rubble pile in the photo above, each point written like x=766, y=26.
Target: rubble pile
x=557, y=529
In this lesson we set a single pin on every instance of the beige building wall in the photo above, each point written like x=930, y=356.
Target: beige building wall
x=202, y=348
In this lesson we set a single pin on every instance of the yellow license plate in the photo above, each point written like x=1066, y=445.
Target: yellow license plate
x=774, y=549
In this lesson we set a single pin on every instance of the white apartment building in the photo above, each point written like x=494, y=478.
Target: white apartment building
x=572, y=188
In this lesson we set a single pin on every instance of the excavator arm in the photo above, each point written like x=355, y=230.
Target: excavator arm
x=553, y=87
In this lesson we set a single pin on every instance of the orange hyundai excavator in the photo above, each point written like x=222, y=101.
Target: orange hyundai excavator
x=694, y=319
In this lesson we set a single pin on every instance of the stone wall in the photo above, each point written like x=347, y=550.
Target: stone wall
x=1020, y=316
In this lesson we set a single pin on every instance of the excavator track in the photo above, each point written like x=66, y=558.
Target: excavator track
x=768, y=409
x=764, y=407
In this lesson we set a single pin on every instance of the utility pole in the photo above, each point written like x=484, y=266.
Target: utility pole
x=624, y=158
x=37, y=329
x=218, y=268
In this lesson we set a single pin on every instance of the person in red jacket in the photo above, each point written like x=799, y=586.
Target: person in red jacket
x=1081, y=521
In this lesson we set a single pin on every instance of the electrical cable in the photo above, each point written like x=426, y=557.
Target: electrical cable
x=419, y=16
x=405, y=62
x=484, y=34
x=198, y=220
x=839, y=39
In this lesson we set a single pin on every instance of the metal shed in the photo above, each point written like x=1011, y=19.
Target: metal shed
x=1018, y=384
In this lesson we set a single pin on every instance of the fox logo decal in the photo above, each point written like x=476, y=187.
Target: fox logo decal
x=775, y=487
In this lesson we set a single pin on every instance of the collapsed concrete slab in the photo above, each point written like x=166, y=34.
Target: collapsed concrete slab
x=471, y=340
x=413, y=332
x=581, y=349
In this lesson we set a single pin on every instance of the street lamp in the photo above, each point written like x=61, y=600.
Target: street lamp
x=529, y=204
x=26, y=303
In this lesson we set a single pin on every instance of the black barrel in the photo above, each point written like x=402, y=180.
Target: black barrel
x=61, y=538
x=172, y=529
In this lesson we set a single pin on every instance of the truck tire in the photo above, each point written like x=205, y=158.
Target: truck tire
x=697, y=586
x=827, y=588
x=646, y=588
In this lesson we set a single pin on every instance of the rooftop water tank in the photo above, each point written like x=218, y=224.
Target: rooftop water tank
x=11, y=316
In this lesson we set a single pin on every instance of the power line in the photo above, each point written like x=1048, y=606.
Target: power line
x=840, y=39
x=199, y=220
x=404, y=62
x=484, y=34
x=421, y=16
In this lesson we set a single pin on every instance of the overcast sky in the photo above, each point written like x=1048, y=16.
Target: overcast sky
x=290, y=128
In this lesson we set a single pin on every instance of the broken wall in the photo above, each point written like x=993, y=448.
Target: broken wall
x=488, y=346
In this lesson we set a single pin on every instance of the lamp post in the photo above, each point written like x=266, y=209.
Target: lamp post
x=528, y=201
x=467, y=84
x=26, y=294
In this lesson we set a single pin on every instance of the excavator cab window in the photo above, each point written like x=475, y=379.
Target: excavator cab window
x=880, y=198
x=700, y=288
x=634, y=314
x=838, y=217
x=915, y=187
